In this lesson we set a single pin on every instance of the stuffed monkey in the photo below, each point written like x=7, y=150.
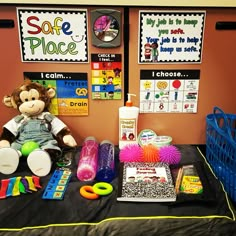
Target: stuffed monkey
x=34, y=123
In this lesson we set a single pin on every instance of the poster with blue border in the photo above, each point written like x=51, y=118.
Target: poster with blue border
x=71, y=91
x=170, y=36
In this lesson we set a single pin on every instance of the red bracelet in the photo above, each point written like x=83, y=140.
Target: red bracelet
x=4, y=186
x=88, y=193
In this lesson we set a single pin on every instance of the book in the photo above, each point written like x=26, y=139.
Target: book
x=145, y=182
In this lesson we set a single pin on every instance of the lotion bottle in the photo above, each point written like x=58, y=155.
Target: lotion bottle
x=128, y=122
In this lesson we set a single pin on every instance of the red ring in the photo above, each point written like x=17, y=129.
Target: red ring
x=88, y=193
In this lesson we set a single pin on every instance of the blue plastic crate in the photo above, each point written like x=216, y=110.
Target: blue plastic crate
x=221, y=148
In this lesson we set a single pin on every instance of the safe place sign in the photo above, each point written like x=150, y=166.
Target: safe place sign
x=57, y=35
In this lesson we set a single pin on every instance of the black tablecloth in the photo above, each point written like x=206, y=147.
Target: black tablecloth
x=29, y=214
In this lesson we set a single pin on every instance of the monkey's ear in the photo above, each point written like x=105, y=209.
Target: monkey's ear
x=51, y=92
x=9, y=102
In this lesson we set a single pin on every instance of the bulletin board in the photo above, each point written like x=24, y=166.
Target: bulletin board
x=216, y=63
x=83, y=115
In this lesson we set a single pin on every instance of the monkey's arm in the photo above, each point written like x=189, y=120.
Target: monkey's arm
x=6, y=138
x=66, y=137
x=62, y=132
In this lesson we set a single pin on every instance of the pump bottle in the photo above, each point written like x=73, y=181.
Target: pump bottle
x=128, y=122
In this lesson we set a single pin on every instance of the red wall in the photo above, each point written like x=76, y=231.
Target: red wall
x=217, y=81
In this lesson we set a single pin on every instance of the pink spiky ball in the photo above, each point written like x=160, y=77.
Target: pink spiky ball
x=131, y=153
x=170, y=154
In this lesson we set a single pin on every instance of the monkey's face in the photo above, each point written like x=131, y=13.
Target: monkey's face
x=31, y=104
